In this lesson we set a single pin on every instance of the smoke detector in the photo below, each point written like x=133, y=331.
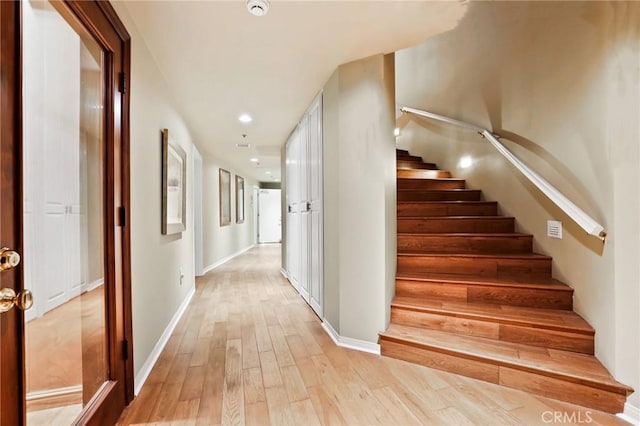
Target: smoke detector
x=258, y=7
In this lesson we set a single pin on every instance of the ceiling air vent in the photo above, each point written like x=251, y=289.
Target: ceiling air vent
x=243, y=145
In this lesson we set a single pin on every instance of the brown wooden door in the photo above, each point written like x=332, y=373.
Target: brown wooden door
x=100, y=23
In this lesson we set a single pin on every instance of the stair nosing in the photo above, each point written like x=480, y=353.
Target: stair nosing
x=557, y=286
x=530, y=256
x=546, y=371
x=467, y=234
x=482, y=217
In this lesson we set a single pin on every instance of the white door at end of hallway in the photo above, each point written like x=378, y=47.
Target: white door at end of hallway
x=269, y=216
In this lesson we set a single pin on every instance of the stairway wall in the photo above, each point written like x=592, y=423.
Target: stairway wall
x=359, y=197
x=561, y=81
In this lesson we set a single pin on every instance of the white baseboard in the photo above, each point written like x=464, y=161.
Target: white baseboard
x=284, y=273
x=144, y=372
x=226, y=259
x=631, y=414
x=348, y=342
x=93, y=285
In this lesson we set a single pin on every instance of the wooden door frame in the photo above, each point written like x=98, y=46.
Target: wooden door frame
x=102, y=22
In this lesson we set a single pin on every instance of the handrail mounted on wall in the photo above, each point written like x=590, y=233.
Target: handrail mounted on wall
x=578, y=215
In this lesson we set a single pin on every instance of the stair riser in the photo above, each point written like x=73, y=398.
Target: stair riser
x=563, y=340
x=464, y=244
x=421, y=183
x=438, y=210
x=475, y=266
x=468, y=195
x=458, y=224
x=498, y=295
x=422, y=174
x=411, y=158
x=402, y=164
x=581, y=394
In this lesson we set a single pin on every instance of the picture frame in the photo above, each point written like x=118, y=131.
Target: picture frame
x=174, y=186
x=225, y=197
x=239, y=199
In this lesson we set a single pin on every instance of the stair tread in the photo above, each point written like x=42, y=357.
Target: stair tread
x=454, y=202
x=466, y=234
x=501, y=281
x=531, y=256
x=553, y=319
x=566, y=365
x=447, y=179
x=485, y=217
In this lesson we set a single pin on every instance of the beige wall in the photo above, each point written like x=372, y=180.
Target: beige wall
x=359, y=197
x=157, y=259
x=221, y=242
x=560, y=80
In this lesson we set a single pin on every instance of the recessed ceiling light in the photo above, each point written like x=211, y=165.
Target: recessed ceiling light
x=253, y=160
x=267, y=172
x=245, y=118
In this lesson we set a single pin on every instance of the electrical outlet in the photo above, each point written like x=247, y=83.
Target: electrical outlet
x=554, y=229
x=181, y=276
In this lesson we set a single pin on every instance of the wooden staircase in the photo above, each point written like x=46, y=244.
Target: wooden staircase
x=473, y=298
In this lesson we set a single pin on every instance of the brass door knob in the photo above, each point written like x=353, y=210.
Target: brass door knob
x=9, y=299
x=9, y=259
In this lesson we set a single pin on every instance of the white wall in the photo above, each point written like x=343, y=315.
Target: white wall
x=222, y=242
x=359, y=197
x=560, y=80
x=156, y=259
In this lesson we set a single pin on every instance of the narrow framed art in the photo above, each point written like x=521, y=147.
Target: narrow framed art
x=239, y=199
x=225, y=197
x=174, y=183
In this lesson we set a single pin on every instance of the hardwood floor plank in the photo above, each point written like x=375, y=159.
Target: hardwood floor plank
x=193, y=382
x=233, y=392
x=253, y=386
x=302, y=413
x=257, y=413
x=270, y=370
x=293, y=383
x=250, y=358
x=280, y=347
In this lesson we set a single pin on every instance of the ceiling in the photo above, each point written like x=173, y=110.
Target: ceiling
x=220, y=61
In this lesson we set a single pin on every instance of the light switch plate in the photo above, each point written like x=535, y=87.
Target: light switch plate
x=554, y=229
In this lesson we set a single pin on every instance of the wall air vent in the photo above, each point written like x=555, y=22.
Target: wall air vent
x=243, y=145
x=554, y=229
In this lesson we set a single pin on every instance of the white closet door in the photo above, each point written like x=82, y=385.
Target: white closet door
x=293, y=251
x=315, y=203
x=303, y=156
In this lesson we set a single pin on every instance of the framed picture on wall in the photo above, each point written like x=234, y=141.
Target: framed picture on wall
x=225, y=197
x=174, y=186
x=239, y=199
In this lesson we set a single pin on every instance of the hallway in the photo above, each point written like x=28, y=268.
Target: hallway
x=250, y=351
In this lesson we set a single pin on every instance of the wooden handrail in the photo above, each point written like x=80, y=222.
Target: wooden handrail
x=578, y=215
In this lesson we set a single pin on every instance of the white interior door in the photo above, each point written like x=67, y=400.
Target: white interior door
x=303, y=202
x=315, y=206
x=269, y=216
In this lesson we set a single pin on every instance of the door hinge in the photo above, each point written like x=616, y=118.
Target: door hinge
x=122, y=216
x=125, y=349
x=123, y=83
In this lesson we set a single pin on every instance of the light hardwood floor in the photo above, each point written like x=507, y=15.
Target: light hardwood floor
x=250, y=351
